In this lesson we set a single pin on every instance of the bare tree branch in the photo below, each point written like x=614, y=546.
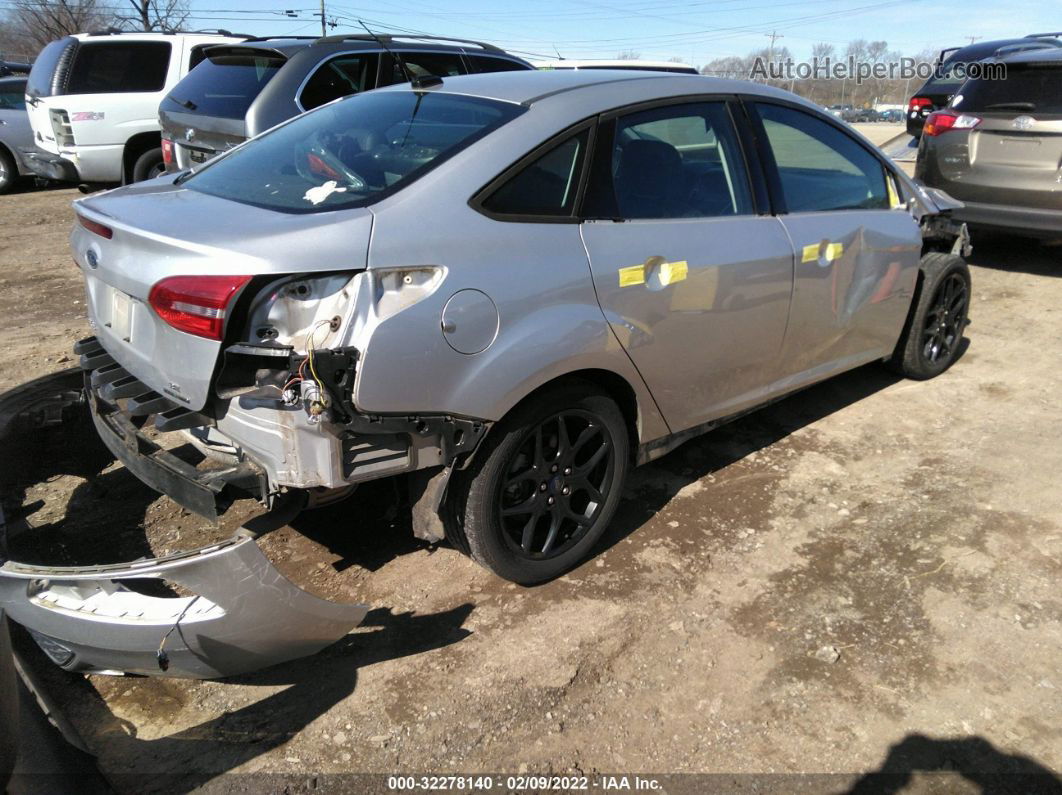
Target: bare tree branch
x=42, y=21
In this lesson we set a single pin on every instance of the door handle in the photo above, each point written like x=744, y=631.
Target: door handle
x=655, y=273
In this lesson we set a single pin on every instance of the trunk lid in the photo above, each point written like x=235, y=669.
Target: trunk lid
x=164, y=230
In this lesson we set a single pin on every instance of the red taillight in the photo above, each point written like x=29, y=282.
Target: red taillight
x=93, y=226
x=917, y=103
x=196, y=304
x=941, y=121
x=167, y=151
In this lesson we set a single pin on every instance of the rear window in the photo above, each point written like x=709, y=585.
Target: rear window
x=353, y=152
x=225, y=84
x=43, y=71
x=1027, y=89
x=119, y=67
x=487, y=63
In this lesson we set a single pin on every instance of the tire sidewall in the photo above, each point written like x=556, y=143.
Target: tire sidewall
x=937, y=268
x=9, y=174
x=145, y=163
x=482, y=527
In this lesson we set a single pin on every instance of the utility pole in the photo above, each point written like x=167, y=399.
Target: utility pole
x=323, y=21
x=774, y=34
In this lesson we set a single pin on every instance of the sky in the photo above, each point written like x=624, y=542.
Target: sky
x=697, y=31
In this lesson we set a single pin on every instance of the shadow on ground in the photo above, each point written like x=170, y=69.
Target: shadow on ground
x=972, y=758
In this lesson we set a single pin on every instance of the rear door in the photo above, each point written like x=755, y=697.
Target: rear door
x=856, y=253
x=420, y=63
x=14, y=121
x=695, y=284
x=1014, y=153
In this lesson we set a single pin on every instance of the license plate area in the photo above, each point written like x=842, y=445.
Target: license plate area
x=121, y=315
x=199, y=156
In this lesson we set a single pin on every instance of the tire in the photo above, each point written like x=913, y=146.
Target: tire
x=932, y=337
x=8, y=172
x=149, y=165
x=544, y=485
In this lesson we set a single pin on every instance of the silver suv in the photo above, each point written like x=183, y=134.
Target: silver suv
x=511, y=288
x=998, y=147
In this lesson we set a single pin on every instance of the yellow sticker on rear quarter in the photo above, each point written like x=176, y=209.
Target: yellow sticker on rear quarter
x=671, y=272
x=834, y=251
x=811, y=252
x=635, y=274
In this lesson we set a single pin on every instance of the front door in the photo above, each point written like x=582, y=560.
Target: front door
x=694, y=284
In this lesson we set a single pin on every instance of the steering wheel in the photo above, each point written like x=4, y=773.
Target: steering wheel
x=316, y=162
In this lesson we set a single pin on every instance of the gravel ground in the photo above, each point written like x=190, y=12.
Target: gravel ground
x=864, y=576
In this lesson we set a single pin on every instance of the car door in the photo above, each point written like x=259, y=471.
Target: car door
x=695, y=284
x=14, y=121
x=400, y=66
x=857, y=253
x=340, y=76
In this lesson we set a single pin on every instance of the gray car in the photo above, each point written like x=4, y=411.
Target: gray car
x=998, y=147
x=241, y=90
x=509, y=288
x=15, y=131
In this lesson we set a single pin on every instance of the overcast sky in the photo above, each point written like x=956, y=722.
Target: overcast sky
x=696, y=31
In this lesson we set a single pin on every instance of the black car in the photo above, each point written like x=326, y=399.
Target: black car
x=949, y=73
x=8, y=68
x=240, y=90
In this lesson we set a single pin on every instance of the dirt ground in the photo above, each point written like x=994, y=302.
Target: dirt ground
x=863, y=577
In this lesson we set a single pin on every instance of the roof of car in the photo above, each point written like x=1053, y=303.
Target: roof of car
x=1053, y=55
x=290, y=45
x=528, y=87
x=985, y=49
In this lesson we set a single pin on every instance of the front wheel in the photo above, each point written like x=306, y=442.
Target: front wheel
x=544, y=488
x=931, y=340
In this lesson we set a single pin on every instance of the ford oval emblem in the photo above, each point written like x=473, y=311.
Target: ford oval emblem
x=92, y=259
x=1023, y=122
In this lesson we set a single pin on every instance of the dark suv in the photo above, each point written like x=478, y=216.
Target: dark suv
x=937, y=92
x=240, y=90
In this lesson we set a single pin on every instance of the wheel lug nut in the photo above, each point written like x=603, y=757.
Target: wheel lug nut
x=553, y=468
x=566, y=490
x=542, y=486
x=550, y=501
x=567, y=470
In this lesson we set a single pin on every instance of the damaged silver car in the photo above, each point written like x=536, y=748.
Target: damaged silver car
x=510, y=288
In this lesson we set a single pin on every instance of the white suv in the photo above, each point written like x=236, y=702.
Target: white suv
x=93, y=102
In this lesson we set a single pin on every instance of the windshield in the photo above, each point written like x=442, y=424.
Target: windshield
x=352, y=152
x=225, y=84
x=1026, y=89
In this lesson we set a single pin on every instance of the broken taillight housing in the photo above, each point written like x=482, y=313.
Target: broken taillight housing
x=941, y=121
x=196, y=304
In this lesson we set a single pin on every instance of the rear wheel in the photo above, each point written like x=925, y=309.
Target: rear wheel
x=149, y=165
x=931, y=340
x=544, y=488
x=8, y=172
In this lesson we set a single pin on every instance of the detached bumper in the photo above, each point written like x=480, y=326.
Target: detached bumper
x=49, y=165
x=1028, y=220
x=234, y=611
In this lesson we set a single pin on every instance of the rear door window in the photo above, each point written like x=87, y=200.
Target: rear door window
x=1027, y=89
x=421, y=64
x=488, y=63
x=225, y=84
x=339, y=77
x=120, y=67
x=819, y=166
x=12, y=94
x=546, y=186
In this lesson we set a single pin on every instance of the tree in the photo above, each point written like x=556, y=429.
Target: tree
x=42, y=21
x=628, y=55
x=161, y=15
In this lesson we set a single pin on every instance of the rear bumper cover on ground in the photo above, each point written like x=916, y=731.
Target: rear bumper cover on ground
x=234, y=613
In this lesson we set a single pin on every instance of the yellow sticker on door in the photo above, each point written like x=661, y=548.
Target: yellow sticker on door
x=831, y=252
x=628, y=277
x=662, y=273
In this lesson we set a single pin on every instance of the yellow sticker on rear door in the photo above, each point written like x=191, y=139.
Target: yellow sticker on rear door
x=635, y=274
